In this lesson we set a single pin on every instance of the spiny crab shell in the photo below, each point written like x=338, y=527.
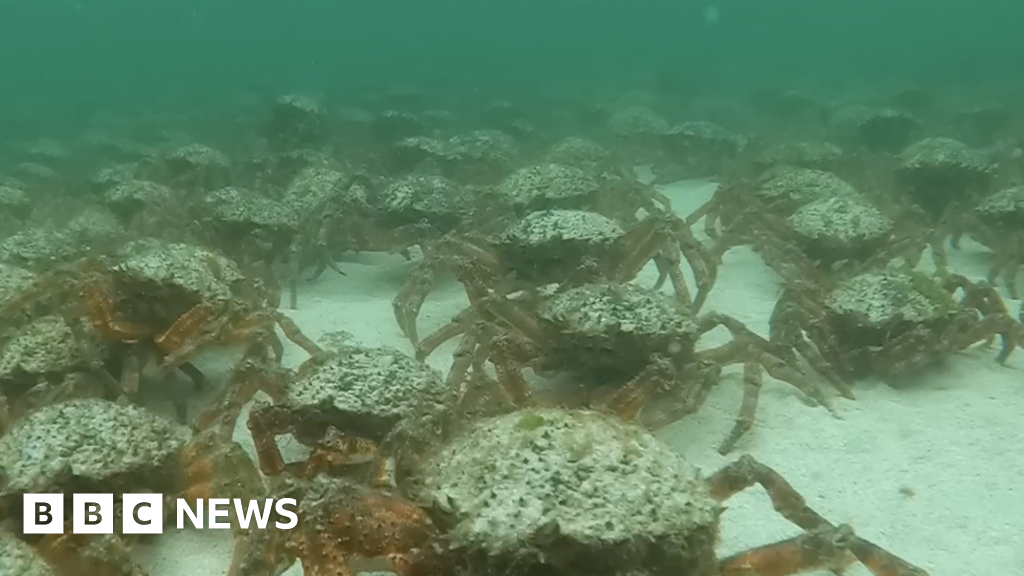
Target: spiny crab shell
x=440, y=202
x=548, y=186
x=789, y=188
x=549, y=490
x=45, y=348
x=39, y=349
x=840, y=227
x=939, y=171
x=85, y=441
x=547, y=244
x=156, y=268
x=19, y=559
x=245, y=211
x=885, y=299
x=615, y=328
x=1004, y=209
x=366, y=390
x=13, y=280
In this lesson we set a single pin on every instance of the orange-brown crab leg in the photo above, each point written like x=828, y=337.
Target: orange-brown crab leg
x=294, y=333
x=453, y=328
x=826, y=548
x=410, y=299
x=172, y=340
x=821, y=549
x=101, y=316
x=251, y=375
x=629, y=400
x=808, y=551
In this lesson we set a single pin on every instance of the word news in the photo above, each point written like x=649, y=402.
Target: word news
x=144, y=513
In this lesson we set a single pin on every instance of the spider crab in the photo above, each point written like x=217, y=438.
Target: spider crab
x=562, y=247
x=94, y=445
x=997, y=224
x=165, y=301
x=338, y=520
x=888, y=322
x=340, y=403
x=557, y=492
x=626, y=347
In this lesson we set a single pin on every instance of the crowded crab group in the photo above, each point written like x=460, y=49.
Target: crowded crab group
x=585, y=329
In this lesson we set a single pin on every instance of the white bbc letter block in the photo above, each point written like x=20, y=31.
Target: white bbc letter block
x=142, y=514
x=93, y=514
x=43, y=514
x=217, y=511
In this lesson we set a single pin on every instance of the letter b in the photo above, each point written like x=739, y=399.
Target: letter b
x=93, y=514
x=43, y=514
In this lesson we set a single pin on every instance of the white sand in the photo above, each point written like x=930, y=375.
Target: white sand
x=956, y=438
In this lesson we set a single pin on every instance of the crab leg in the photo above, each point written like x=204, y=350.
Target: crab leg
x=453, y=328
x=509, y=376
x=265, y=423
x=292, y=332
x=177, y=338
x=251, y=375
x=629, y=400
x=821, y=544
x=753, y=380
x=131, y=372
x=101, y=316
x=410, y=299
x=827, y=548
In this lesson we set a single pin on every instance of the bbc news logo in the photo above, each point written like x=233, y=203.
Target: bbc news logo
x=144, y=513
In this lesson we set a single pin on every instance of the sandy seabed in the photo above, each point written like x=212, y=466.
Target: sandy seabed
x=954, y=439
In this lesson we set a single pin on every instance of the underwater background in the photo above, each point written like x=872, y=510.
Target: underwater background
x=63, y=59
x=322, y=171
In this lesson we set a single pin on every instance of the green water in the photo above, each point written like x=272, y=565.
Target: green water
x=63, y=60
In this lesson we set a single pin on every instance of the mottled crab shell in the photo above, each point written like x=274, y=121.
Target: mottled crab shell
x=604, y=309
x=610, y=331
x=194, y=269
x=487, y=145
x=417, y=197
x=547, y=227
x=87, y=439
x=38, y=246
x=141, y=191
x=580, y=153
x=800, y=186
x=47, y=345
x=15, y=200
x=547, y=245
x=233, y=205
x=19, y=559
x=371, y=389
x=813, y=155
x=316, y=184
x=881, y=298
x=13, y=280
x=701, y=138
x=932, y=154
x=198, y=156
x=572, y=492
x=1004, y=208
x=548, y=186
x=637, y=121
x=840, y=223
